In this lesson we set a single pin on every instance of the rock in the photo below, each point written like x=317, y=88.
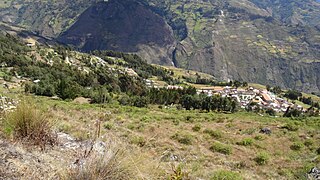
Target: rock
x=67, y=141
x=100, y=147
x=265, y=130
x=314, y=174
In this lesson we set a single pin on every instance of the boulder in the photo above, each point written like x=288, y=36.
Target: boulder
x=265, y=130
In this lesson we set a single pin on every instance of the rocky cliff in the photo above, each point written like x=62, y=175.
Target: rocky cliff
x=269, y=42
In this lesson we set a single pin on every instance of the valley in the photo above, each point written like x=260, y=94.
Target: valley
x=159, y=89
x=110, y=110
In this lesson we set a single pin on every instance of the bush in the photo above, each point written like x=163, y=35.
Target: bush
x=140, y=101
x=138, y=140
x=28, y=124
x=107, y=125
x=318, y=151
x=183, y=138
x=246, y=142
x=125, y=100
x=221, y=148
x=212, y=133
x=99, y=167
x=225, y=175
x=262, y=158
x=297, y=146
x=291, y=126
x=309, y=143
x=271, y=112
x=259, y=137
x=196, y=128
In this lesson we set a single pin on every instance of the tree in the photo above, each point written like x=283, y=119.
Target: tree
x=293, y=94
x=187, y=101
x=268, y=87
x=237, y=84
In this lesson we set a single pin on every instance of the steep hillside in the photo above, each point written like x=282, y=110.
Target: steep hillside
x=268, y=42
x=122, y=26
x=47, y=18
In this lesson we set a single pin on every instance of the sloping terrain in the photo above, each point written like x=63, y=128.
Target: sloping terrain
x=122, y=26
x=134, y=140
x=269, y=42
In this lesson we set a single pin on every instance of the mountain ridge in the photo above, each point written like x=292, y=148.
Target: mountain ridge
x=254, y=41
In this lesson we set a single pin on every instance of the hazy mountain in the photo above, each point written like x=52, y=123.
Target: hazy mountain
x=273, y=42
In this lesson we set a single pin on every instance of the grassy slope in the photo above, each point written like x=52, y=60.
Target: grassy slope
x=149, y=131
x=153, y=128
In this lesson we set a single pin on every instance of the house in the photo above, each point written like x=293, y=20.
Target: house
x=266, y=97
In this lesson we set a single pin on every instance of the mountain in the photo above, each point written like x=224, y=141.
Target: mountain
x=122, y=26
x=267, y=41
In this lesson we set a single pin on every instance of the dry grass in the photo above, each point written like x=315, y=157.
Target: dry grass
x=29, y=125
x=98, y=167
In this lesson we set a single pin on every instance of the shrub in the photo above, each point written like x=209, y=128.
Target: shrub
x=99, y=167
x=125, y=100
x=262, y=158
x=196, y=128
x=259, y=137
x=212, y=133
x=271, y=112
x=30, y=125
x=107, y=125
x=178, y=173
x=183, y=138
x=138, y=140
x=291, y=126
x=309, y=143
x=297, y=146
x=318, y=151
x=221, y=148
x=246, y=142
x=140, y=101
x=225, y=175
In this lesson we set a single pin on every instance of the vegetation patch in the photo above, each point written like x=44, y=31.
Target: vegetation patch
x=225, y=175
x=245, y=142
x=262, y=158
x=30, y=125
x=183, y=138
x=221, y=148
x=214, y=133
x=297, y=146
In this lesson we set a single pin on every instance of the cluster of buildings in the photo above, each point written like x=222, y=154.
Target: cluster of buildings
x=245, y=97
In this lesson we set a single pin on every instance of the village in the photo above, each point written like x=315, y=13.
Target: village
x=249, y=96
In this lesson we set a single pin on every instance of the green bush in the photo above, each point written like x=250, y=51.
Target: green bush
x=291, y=126
x=140, y=101
x=309, y=143
x=225, y=175
x=107, y=125
x=125, y=100
x=297, y=146
x=262, y=158
x=221, y=148
x=138, y=140
x=318, y=151
x=196, y=128
x=29, y=125
x=246, y=142
x=183, y=138
x=259, y=137
x=216, y=134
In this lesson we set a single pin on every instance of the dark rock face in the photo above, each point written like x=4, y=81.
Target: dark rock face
x=122, y=25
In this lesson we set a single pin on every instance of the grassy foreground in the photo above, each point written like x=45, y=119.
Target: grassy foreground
x=165, y=142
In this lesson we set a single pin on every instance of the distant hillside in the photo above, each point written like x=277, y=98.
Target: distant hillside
x=267, y=42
